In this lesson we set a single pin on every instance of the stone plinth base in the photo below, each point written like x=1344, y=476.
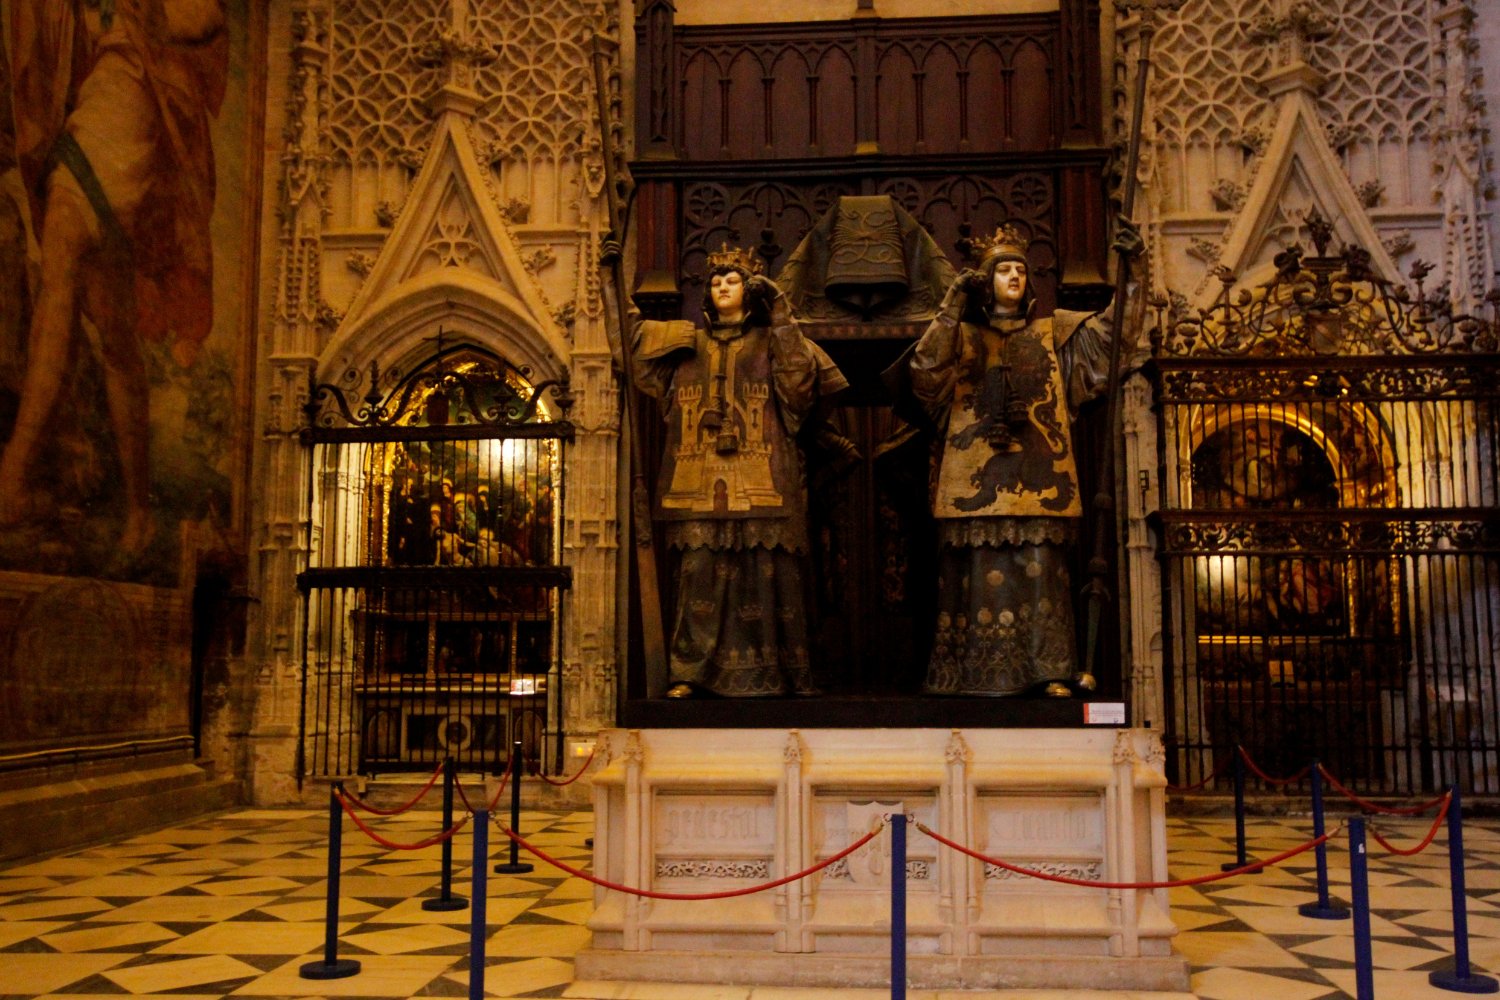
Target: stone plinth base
x=933, y=972
x=704, y=811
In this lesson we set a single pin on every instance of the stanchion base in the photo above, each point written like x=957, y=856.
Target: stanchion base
x=1320, y=912
x=339, y=968
x=441, y=905
x=519, y=868
x=1230, y=866
x=1449, y=979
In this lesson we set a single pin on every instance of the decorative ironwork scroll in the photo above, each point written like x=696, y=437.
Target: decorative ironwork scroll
x=458, y=388
x=1325, y=304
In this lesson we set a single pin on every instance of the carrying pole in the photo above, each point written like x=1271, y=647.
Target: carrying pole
x=1098, y=589
x=653, y=640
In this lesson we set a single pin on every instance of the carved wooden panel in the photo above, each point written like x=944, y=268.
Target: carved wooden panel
x=937, y=85
x=774, y=212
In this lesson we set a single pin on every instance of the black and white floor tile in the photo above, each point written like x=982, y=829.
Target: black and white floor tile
x=233, y=905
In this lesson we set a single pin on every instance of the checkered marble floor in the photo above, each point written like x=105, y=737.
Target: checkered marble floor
x=232, y=905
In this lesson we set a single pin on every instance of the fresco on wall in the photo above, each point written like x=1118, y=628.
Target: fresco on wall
x=126, y=132
x=123, y=182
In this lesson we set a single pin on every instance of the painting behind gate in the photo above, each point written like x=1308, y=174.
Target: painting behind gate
x=127, y=196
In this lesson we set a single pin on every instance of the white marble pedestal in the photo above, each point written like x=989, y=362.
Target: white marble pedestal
x=703, y=810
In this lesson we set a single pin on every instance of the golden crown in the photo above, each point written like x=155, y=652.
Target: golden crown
x=745, y=260
x=1007, y=241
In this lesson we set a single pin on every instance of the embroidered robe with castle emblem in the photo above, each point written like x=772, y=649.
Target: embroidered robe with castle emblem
x=732, y=496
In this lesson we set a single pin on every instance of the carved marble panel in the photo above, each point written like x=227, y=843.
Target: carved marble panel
x=1063, y=831
x=841, y=817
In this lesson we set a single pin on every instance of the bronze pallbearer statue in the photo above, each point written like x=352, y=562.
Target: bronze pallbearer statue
x=1002, y=388
x=731, y=496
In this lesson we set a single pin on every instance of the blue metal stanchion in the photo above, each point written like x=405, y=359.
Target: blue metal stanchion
x=515, y=866
x=445, y=900
x=1241, y=859
x=898, y=906
x=332, y=967
x=477, y=913
x=1460, y=978
x=1323, y=909
x=1359, y=893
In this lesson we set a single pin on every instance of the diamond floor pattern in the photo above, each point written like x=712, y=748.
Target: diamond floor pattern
x=231, y=905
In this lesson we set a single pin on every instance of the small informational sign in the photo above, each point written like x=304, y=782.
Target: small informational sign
x=1104, y=713
x=523, y=685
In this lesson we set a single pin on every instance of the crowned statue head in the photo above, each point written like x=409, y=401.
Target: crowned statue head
x=1006, y=283
x=729, y=295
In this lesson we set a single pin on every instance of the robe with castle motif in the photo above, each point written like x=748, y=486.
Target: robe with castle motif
x=1005, y=492
x=732, y=496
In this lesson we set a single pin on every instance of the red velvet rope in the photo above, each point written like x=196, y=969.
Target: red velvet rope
x=569, y=781
x=1263, y=776
x=1173, y=884
x=391, y=844
x=498, y=792
x=653, y=894
x=1374, y=807
x=1426, y=841
x=399, y=809
x=1218, y=770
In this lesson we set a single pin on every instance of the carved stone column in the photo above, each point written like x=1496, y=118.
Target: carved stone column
x=297, y=312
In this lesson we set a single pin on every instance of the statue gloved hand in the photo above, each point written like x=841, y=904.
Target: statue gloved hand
x=760, y=285
x=967, y=282
x=1127, y=241
x=609, y=251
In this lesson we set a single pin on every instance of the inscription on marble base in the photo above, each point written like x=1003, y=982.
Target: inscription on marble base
x=708, y=836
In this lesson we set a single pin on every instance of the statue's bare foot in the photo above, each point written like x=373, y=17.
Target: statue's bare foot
x=682, y=689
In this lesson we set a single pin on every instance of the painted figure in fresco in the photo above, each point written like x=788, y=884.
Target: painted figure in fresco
x=732, y=496
x=1002, y=388
x=112, y=106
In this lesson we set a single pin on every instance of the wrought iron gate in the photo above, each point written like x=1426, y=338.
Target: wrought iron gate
x=1329, y=535
x=433, y=591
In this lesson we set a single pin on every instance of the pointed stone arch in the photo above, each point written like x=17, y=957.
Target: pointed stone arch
x=450, y=261
x=400, y=326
